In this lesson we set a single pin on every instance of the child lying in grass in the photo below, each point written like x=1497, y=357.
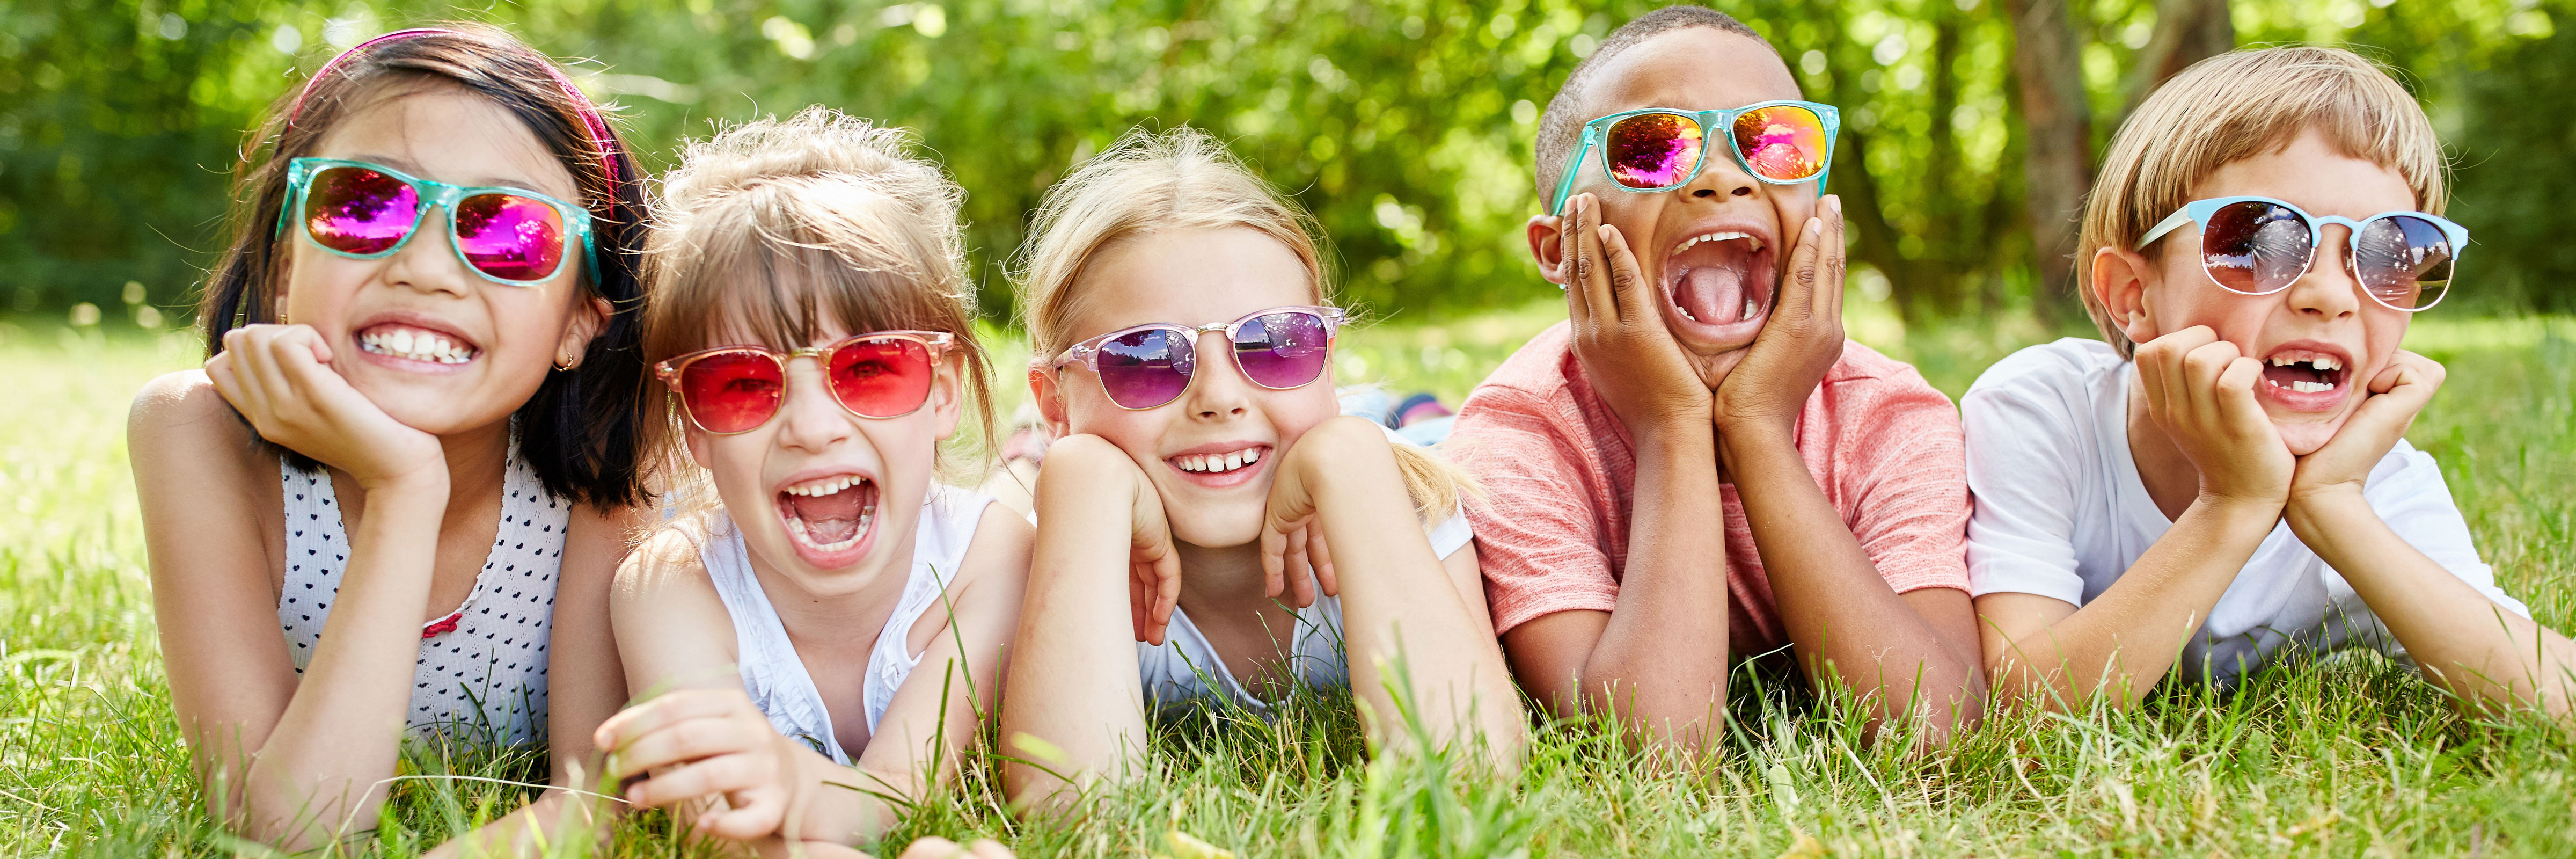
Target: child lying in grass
x=1698, y=468
x=2227, y=480
x=834, y=631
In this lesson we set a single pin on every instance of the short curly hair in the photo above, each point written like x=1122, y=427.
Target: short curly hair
x=1562, y=124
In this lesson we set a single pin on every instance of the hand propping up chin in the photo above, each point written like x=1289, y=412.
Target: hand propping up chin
x=1802, y=339
x=1618, y=329
x=280, y=378
x=2200, y=392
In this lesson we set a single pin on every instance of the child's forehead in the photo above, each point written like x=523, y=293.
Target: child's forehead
x=1693, y=68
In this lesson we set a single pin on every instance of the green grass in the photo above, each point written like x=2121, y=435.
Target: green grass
x=2347, y=756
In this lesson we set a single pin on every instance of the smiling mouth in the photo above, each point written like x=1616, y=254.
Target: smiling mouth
x=1720, y=278
x=830, y=514
x=395, y=340
x=1217, y=463
x=2303, y=371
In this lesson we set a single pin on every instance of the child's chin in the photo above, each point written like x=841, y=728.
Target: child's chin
x=2304, y=437
x=1217, y=526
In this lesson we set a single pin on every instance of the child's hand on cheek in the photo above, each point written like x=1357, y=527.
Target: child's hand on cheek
x=280, y=378
x=1292, y=535
x=1619, y=335
x=2200, y=392
x=704, y=744
x=2396, y=396
x=1802, y=339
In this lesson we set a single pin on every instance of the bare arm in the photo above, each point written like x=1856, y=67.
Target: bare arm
x=1659, y=659
x=1076, y=710
x=297, y=761
x=2199, y=392
x=1400, y=604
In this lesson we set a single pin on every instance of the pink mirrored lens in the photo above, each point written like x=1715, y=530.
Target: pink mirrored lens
x=1283, y=350
x=1653, y=150
x=509, y=236
x=355, y=210
x=1782, y=142
x=1144, y=369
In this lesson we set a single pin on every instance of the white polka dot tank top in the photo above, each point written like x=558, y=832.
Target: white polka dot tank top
x=771, y=672
x=481, y=674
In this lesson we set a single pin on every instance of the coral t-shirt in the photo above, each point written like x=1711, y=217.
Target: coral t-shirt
x=1561, y=475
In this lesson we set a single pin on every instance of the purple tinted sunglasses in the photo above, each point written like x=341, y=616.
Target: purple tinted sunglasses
x=1148, y=366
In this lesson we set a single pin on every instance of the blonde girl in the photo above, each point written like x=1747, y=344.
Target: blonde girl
x=827, y=636
x=1184, y=334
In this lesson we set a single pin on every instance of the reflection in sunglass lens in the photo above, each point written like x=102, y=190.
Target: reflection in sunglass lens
x=1783, y=142
x=2255, y=247
x=355, y=210
x=730, y=392
x=1148, y=368
x=881, y=378
x=510, y=237
x=1653, y=150
x=2404, y=261
x=1282, y=350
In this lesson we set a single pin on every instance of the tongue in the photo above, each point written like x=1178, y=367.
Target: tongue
x=1714, y=294
x=832, y=518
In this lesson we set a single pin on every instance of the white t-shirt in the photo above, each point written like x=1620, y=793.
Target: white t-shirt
x=1175, y=672
x=2061, y=512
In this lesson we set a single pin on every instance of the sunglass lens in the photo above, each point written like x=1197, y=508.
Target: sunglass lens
x=730, y=392
x=1144, y=369
x=510, y=237
x=2404, y=261
x=355, y=210
x=1653, y=150
x=1283, y=350
x=882, y=378
x=2255, y=247
x=1783, y=142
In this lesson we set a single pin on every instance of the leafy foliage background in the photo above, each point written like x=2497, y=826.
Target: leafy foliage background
x=1405, y=125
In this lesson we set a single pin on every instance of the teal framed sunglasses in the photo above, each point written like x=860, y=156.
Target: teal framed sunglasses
x=361, y=210
x=1659, y=149
x=2260, y=245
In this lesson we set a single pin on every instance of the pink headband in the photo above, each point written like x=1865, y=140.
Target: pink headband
x=590, y=117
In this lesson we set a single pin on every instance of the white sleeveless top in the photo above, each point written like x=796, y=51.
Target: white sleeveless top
x=482, y=667
x=772, y=674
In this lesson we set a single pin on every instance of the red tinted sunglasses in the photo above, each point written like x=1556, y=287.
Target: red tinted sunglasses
x=730, y=390
x=1149, y=365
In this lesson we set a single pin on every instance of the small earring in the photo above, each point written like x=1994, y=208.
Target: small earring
x=565, y=362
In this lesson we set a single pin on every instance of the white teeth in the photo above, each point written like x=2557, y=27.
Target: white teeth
x=2312, y=387
x=1749, y=309
x=1686, y=313
x=826, y=486
x=2328, y=362
x=1719, y=236
x=797, y=531
x=417, y=346
x=1216, y=462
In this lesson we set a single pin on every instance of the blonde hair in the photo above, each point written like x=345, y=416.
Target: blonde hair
x=1182, y=179
x=780, y=227
x=2235, y=106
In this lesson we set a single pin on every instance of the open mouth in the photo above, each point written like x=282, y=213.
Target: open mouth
x=1720, y=278
x=829, y=514
x=413, y=343
x=2304, y=371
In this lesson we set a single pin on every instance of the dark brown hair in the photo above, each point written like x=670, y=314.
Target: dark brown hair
x=579, y=431
x=1561, y=126
x=781, y=227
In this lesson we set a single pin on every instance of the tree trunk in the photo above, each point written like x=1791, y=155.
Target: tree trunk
x=2187, y=31
x=2048, y=60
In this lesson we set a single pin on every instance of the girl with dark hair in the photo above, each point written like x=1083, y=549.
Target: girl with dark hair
x=413, y=438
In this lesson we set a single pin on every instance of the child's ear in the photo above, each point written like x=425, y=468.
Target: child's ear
x=1050, y=401
x=587, y=320
x=944, y=396
x=1547, y=247
x=2120, y=282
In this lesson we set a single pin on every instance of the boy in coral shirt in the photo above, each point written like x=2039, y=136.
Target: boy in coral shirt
x=1689, y=472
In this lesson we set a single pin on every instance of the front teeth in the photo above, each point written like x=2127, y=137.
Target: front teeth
x=2304, y=387
x=2321, y=362
x=825, y=486
x=1214, y=462
x=1719, y=236
x=417, y=346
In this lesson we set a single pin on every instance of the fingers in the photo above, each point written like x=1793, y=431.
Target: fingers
x=1797, y=296
x=1599, y=300
x=685, y=742
x=2160, y=365
x=637, y=721
x=1300, y=579
x=1827, y=301
x=2399, y=393
x=748, y=814
x=1569, y=248
x=2235, y=392
x=723, y=774
x=1320, y=556
x=1627, y=281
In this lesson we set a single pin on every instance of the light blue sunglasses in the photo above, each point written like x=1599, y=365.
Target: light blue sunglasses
x=1659, y=149
x=362, y=210
x=2260, y=245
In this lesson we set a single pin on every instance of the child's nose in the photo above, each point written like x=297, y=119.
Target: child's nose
x=2328, y=289
x=810, y=419
x=1220, y=389
x=428, y=262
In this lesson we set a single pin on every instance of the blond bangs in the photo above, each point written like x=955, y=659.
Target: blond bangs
x=2236, y=106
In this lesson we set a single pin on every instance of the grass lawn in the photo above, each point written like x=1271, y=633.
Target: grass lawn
x=2350, y=756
